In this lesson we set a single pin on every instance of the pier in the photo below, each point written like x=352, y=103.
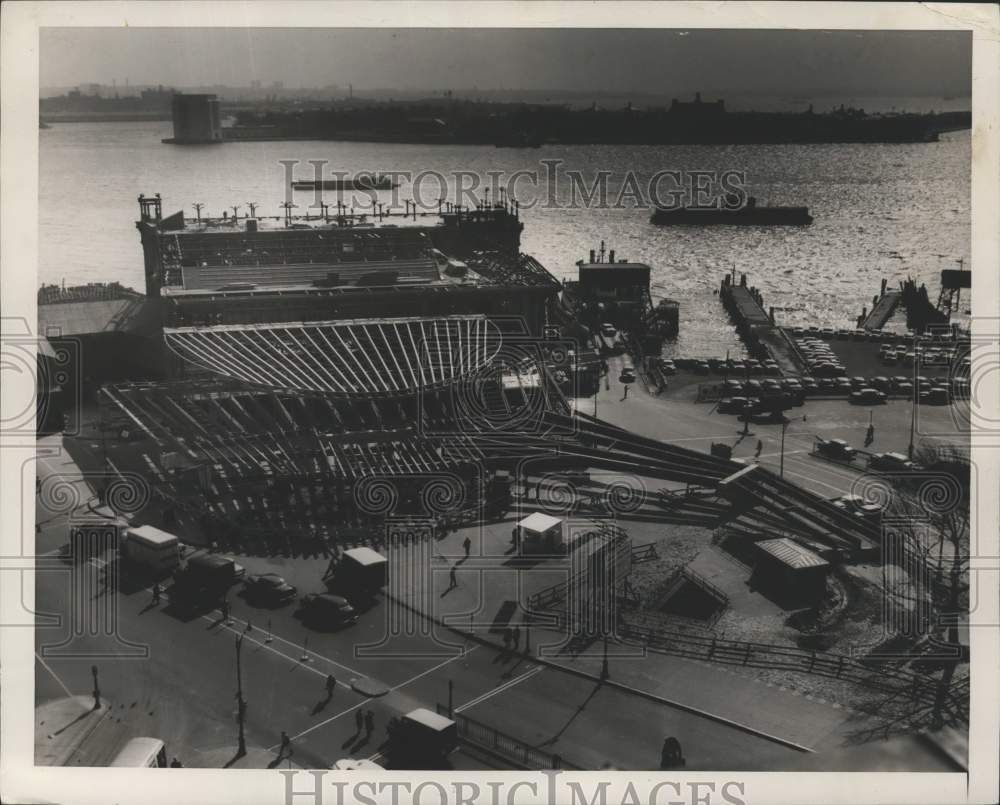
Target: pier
x=882, y=310
x=756, y=326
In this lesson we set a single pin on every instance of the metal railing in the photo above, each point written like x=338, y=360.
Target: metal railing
x=762, y=655
x=493, y=740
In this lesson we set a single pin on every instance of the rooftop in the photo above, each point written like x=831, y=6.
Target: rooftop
x=791, y=553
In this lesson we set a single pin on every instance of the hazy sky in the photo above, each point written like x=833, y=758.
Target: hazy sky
x=654, y=61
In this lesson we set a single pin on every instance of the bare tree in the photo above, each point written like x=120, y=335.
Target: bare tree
x=931, y=516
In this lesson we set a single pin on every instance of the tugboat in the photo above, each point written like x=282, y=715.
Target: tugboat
x=748, y=215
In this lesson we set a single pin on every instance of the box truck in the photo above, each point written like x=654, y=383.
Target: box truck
x=360, y=574
x=149, y=549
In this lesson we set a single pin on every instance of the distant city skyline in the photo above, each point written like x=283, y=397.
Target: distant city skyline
x=643, y=61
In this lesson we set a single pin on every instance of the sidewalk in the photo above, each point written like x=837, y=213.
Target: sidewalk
x=62, y=726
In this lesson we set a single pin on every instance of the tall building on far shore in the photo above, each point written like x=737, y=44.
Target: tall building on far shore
x=196, y=119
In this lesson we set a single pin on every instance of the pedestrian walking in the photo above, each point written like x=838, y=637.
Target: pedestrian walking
x=452, y=579
x=760, y=447
x=359, y=720
x=286, y=744
x=369, y=723
x=665, y=754
x=626, y=393
x=156, y=593
x=515, y=637
x=225, y=609
x=331, y=684
x=467, y=544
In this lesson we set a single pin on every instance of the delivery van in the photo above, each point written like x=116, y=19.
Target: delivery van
x=149, y=753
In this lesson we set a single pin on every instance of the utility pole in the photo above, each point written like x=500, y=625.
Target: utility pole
x=197, y=210
x=241, y=705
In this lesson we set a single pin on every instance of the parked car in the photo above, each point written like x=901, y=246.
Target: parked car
x=733, y=405
x=668, y=367
x=890, y=461
x=880, y=382
x=855, y=504
x=700, y=368
x=936, y=396
x=326, y=610
x=268, y=588
x=867, y=396
x=608, y=330
x=627, y=375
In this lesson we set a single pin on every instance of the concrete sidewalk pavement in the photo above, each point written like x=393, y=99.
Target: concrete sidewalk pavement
x=63, y=725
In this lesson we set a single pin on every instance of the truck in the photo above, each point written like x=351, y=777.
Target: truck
x=422, y=736
x=148, y=549
x=360, y=574
x=206, y=578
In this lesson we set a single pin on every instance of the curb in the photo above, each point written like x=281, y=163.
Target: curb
x=612, y=683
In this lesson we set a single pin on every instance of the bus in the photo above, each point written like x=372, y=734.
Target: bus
x=142, y=753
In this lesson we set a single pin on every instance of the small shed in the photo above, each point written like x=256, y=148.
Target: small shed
x=539, y=533
x=793, y=570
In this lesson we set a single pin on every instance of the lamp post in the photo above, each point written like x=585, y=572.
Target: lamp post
x=785, y=422
x=241, y=705
x=97, y=689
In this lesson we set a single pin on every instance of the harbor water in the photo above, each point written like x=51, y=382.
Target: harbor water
x=879, y=211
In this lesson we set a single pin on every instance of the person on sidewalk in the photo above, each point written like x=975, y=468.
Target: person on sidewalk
x=156, y=593
x=515, y=637
x=359, y=720
x=452, y=578
x=286, y=745
x=467, y=544
x=760, y=447
x=331, y=686
x=225, y=609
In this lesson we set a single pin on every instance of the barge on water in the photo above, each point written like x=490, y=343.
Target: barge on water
x=749, y=215
x=359, y=182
